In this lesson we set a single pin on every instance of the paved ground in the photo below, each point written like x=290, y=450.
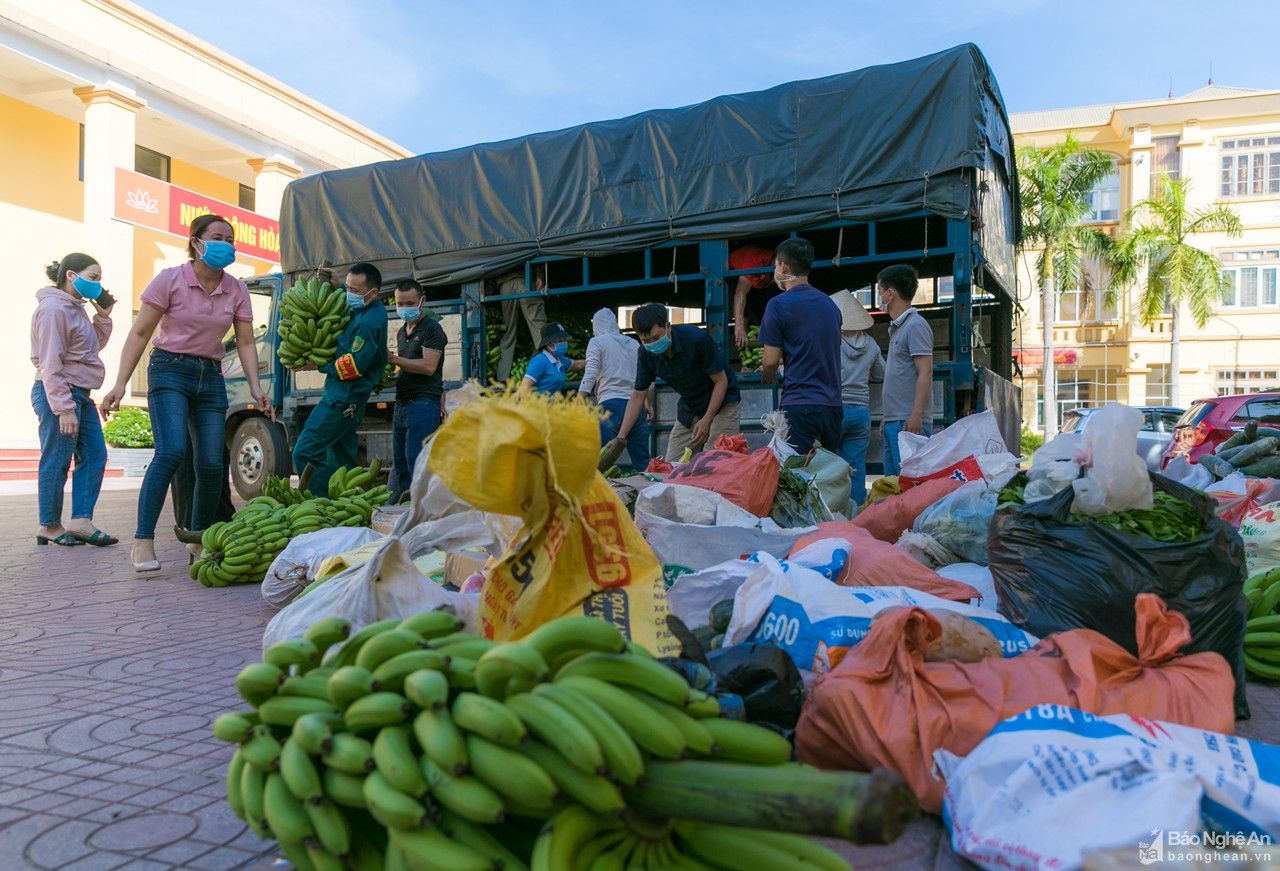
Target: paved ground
x=107, y=686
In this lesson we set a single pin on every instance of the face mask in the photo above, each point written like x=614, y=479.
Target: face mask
x=218, y=254
x=355, y=300
x=86, y=288
x=409, y=314
x=561, y=347
x=781, y=280
x=658, y=347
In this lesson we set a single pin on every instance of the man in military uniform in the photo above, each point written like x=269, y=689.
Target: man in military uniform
x=328, y=441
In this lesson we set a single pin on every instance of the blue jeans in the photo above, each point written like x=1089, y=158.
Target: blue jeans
x=637, y=439
x=855, y=433
x=56, y=452
x=412, y=423
x=186, y=397
x=807, y=424
x=890, y=429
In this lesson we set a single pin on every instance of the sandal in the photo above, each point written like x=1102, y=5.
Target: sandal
x=98, y=539
x=67, y=539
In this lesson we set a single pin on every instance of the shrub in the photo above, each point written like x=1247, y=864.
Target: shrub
x=129, y=428
x=1031, y=442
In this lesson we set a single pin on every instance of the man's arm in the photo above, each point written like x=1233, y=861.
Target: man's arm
x=740, y=291
x=635, y=405
x=770, y=361
x=368, y=346
x=701, y=428
x=427, y=364
x=923, y=403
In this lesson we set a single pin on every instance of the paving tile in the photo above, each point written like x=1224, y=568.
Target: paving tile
x=221, y=859
x=179, y=853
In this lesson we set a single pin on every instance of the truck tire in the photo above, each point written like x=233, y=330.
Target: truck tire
x=258, y=449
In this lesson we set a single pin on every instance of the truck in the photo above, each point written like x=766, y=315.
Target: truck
x=909, y=162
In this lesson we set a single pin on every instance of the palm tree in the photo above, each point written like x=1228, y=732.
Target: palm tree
x=1055, y=182
x=1178, y=273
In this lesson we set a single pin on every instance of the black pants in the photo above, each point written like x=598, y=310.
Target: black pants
x=814, y=423
x=183, y=488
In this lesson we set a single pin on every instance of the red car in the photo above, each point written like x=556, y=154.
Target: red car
x=1210, y=422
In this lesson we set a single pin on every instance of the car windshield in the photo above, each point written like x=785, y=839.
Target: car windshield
x=1196, y=413
x=1072, y=421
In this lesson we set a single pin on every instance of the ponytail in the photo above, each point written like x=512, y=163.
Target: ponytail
x=58, y=269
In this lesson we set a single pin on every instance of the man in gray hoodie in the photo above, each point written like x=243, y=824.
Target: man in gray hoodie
x=610, y=379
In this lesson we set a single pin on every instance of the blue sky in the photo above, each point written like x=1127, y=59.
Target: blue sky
x=435, y=75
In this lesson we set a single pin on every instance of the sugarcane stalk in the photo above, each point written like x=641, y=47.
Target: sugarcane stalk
x=864, y=808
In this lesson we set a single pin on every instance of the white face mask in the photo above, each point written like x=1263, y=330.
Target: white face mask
x=781, y=280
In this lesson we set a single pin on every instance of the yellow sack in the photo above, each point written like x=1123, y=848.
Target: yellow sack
x=578, y=551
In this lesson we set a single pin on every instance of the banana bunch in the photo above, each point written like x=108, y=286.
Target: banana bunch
x=1262, y=631
x=283, y=492
x=389, y=374
x=413, y=744
x=240, y=550
x=313, y=314
x=356, y=481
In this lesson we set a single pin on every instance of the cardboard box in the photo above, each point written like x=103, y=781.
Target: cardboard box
x=386, y=517
x=462, y=565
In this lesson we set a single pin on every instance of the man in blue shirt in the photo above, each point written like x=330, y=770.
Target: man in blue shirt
x=686, y=359
x=801, y=330
x=329, y=439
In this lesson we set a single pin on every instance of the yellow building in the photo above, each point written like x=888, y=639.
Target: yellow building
x=116, y=129
x=1227, y=141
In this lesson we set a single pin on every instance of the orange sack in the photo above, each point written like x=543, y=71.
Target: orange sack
x=873, y=563
x=894, y=515
x=884, y=705
x=749, y=481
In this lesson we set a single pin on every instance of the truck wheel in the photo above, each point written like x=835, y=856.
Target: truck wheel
x=258, y=449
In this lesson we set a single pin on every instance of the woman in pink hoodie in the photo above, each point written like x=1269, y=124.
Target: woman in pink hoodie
x=64, y=348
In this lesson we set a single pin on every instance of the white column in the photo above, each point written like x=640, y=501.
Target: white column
x=110, y=123
x=270, y=177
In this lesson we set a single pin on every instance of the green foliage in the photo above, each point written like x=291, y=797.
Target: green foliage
x=1031, y=442
x=129, y=428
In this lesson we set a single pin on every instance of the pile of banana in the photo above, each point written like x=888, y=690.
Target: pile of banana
x=281, y=490
x=313, y=313
x=240, y=550
x=1262, y=631
x=355, y=481
x=416, y=745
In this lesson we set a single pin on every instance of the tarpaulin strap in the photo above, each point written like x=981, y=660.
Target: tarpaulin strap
x=925, y=205
x=673, y=279
x=835, y=261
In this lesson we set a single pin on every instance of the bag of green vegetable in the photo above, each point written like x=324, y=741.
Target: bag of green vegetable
x=1055, y=569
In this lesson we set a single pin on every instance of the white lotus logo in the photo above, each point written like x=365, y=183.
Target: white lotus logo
x=142, y=201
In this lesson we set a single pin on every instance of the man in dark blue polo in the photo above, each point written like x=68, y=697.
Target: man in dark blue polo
x=687, y=360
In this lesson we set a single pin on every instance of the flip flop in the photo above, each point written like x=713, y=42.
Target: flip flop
x=66, y=540
x=98, y=539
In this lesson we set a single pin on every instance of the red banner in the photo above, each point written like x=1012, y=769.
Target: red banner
x=150, y=202
x=1034, y=357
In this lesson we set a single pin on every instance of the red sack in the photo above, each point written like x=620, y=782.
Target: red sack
x=749, y=481
x=736, y=443
x=1235, y=508
x=894, y=515
x=659, y=466
x=874, y=563
x=884, y=705
x=961, y=471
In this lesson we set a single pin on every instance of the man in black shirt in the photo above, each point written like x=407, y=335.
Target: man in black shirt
x=419, y=386
x=686, y=359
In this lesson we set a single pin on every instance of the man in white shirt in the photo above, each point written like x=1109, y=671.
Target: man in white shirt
x=610, y=379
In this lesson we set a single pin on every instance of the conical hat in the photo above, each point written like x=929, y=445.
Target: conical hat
x=852, y=315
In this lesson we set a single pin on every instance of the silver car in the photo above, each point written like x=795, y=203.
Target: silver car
x=1153, y=438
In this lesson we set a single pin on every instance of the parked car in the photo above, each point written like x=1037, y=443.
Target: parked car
x=1153, y=438
x=1210, y=422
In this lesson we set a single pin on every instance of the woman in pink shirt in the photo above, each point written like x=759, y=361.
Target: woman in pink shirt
x=64, y=348
x=194, y=305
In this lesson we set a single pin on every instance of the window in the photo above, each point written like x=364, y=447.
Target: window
x=1083, y=388
x=248, y=198
x=1166, y=160
x=1228, y=382
x=1078, y=305
x=944, y=289
x=1169, y=420
x=1261, y=410
x=1104, y=198
x=151, y=163
x=1158, y=384
x=1252, y=278
x=1250, y=167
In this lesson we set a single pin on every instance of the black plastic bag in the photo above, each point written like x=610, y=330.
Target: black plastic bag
x=1053, y=572
x=766, y=679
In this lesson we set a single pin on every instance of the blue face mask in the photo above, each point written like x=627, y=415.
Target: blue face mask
x=355, y=300
x=409, y=314
x=660, y=346
x=86, y=288
x=218, y=254
x=561, y=348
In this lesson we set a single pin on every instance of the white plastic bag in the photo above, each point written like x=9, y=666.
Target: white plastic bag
x=690, y=529
x=816, y=621
x=960, y=520
x=970, y=449
x=776, y=423
x=1197, y=477
x=1115, y=476
x=1260, y=532
x=388, y=585
x=299, y=562
x=977, y=576
x=691, y=596
x=1052, y=784
x=1054, y=466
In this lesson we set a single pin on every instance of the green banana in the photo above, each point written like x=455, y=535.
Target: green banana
x=258, y=682
x=698, y=738
x=286, y=816
x=285, y=710
x=467, y=796
x=328, y=631
x=235, y=727
x=565, y=638
x=342, y=788
x=349, y=683
x=653, y=735
x=376, y=711
x=330, y=826
x=387, y=644
x=747, y=742
x=235, y=771
x=395, y=760
x=488, y=718
x=392, y=673
x=441, y=740
x=253, y=784
x=564, y=838
x=630, y=670
x=497, y=666
x=557, y=727
x=350, y=754
x=588, y=790
x=431, y=849
x=510, y=773
x=622, y=757
x=480, y=839
x=702, y=705
x=262, y=751
x=309, y=685
x=346, y=654
x=299, y=772
x=391, y=807
x=427, y=689
x=725, y=846
x=314, y=732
